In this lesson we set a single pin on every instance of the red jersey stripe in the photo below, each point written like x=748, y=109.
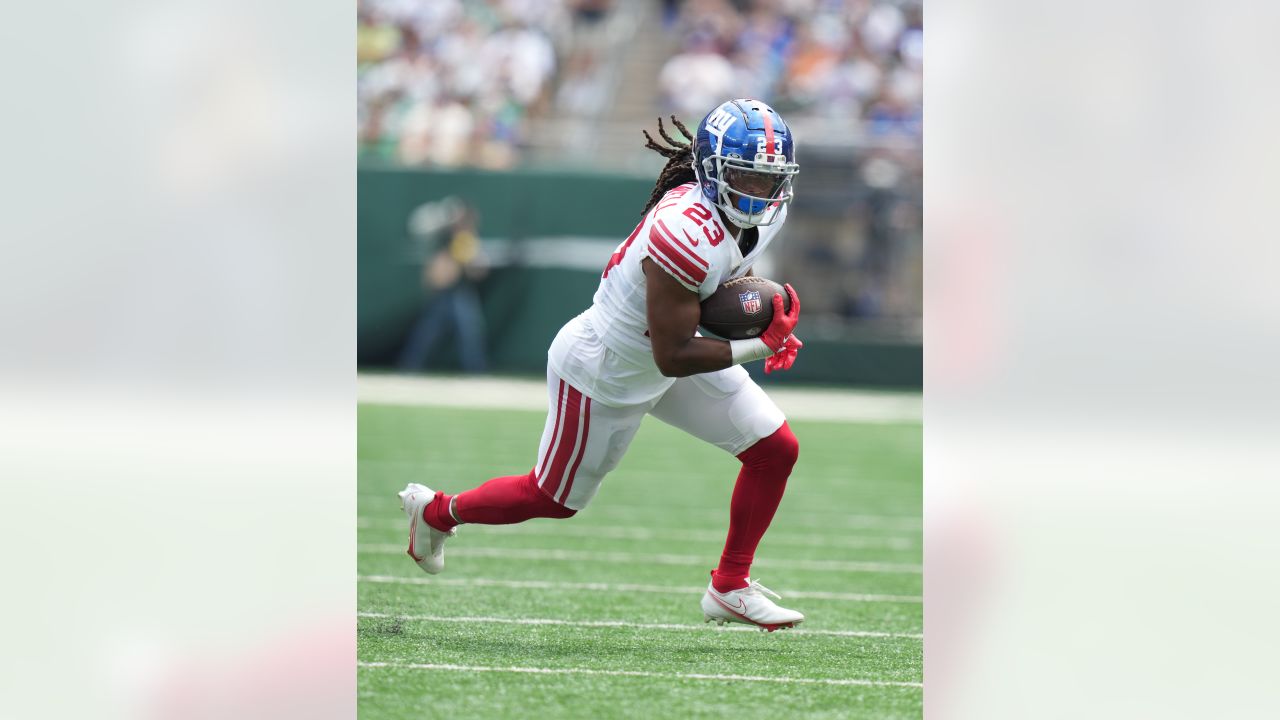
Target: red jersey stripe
x=661, y=260
x=673, y=257
x=664, y=246
x=682, y=245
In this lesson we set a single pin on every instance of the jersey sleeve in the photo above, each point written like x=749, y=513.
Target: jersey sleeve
x=674, y=246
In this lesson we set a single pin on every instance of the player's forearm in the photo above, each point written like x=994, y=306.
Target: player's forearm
x=697, y=355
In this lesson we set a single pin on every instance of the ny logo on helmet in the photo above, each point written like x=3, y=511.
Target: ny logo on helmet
x=719, y=121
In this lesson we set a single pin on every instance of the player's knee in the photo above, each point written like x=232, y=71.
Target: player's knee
x=779, y=450
x=785, y=446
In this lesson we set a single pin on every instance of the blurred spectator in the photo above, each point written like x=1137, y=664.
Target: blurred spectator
x=584, y=89
x=697, y=79
x=450, y=81
x=844, y=59
x=453, y=266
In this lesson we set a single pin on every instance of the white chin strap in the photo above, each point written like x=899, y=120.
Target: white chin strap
x=732, y=214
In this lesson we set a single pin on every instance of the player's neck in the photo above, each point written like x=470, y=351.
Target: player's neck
x=746, y=240
x=734, y=231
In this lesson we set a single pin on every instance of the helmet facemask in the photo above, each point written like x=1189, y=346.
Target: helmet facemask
x=751, y=192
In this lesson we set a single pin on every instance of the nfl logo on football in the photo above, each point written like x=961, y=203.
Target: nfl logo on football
x=750, y=301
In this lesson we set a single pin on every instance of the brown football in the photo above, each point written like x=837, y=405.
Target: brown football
x=742, y=308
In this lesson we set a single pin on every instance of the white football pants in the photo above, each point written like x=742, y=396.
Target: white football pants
x=583, y=440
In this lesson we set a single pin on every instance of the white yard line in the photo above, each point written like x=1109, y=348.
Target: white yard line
x=901, y=523
x=556, y=555
x=644, y=533
x=623, y=588
x=638, y=673
x=631, y=625
x=834, y=404
x=824, y=521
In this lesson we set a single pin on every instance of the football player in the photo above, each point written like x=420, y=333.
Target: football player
x=717, y=205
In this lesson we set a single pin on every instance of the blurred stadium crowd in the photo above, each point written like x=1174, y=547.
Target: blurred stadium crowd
x=469, y=72
x=451, y=82
x=830, y=58
x=503, y=83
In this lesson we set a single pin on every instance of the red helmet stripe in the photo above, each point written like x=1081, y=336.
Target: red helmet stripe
x=768, y=133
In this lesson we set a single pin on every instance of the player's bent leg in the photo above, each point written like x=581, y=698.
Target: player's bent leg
x=581, y=442
x=766, y=466
x=434, y=516
x=728, y=410
x=505, y=501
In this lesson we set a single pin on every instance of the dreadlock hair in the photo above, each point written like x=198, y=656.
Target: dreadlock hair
x=679, y=167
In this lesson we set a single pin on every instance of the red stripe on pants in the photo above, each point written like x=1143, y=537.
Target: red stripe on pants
x=552, y=476
x=542, y=466
x=582, y=451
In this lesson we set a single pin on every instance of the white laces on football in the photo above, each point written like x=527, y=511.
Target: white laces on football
x=756, y=588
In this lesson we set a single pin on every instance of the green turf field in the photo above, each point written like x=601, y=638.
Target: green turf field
x=597, y=616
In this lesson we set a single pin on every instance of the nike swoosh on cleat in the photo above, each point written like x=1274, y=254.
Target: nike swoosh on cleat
x=736, y=611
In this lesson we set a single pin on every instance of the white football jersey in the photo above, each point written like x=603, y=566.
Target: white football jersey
x=605, y=351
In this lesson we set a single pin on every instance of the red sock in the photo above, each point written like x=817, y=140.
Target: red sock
x=500, y=501
x=436, y=513
x=761, y=482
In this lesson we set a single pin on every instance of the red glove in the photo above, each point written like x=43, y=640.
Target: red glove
x=783, y=359
x=775, y=336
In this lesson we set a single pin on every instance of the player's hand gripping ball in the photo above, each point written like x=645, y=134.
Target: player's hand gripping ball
x=751, y=307
x=741, y=308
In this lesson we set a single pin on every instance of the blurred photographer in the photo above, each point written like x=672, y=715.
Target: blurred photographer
x=453, y=267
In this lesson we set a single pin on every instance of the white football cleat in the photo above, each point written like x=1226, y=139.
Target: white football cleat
x=426, y=544
x=749, y=606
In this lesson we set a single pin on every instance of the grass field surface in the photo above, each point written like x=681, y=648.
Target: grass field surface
x=597, y=616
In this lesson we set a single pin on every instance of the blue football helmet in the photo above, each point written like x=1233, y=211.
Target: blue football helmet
x=744, y=158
